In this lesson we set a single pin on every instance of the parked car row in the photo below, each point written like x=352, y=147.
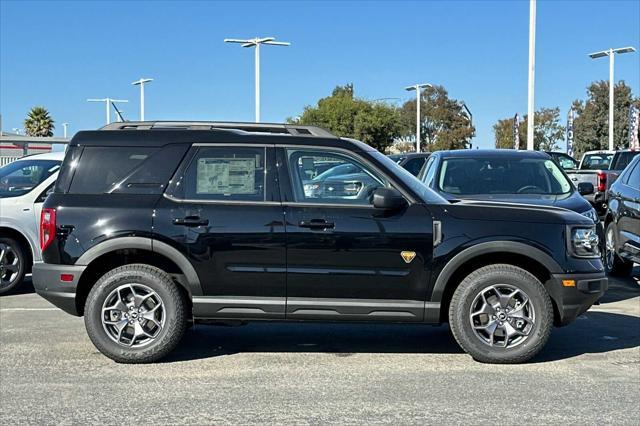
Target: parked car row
x=601, y=169
x=152, y=225
x=24, y=185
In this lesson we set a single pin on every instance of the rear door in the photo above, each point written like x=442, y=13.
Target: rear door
x=345, y=259
x=223, y=210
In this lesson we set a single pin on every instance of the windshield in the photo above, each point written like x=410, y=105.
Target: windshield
x=623, y=159
x=342, y=169
x=474, y=176
x=426, y=194
x=397, y=157
x=20, y=177
x=596, y=161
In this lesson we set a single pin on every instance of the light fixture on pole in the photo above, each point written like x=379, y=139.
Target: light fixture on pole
x=141, y=83
x=532, y=75
x=108, y=102
x=64, y=129
x=256, y=42
x=610, y=53
x=417, y=88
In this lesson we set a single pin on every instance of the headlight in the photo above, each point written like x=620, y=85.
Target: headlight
x=592, y=214
x=584, y=242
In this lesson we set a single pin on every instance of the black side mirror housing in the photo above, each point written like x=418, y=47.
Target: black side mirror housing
x=388, y=199
x=585, y=188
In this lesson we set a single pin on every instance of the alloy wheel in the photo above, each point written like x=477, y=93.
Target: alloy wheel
x=610, y=249
x=9, y=265
x=502, y=315
x=133, y=315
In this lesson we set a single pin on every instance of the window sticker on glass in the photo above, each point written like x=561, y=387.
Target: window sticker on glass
x=226, y=176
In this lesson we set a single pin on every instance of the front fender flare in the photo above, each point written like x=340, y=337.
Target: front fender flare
x=486, y=248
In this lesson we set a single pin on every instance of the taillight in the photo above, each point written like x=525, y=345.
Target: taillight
x=47, y=227
x=602, y=181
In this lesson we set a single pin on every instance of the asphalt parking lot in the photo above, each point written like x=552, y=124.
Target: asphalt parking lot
x=589, y=373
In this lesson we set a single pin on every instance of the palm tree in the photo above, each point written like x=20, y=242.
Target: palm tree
x=38, y=122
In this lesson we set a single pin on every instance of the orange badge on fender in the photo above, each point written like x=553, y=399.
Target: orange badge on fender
x=408, y=256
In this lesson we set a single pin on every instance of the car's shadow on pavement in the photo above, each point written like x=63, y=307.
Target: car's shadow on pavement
x=623, y=288
x=594, y=332
x=25, y=288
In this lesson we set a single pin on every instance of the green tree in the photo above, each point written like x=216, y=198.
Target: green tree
x=591, y=125
x=547, y=131
x=376, y=124
x=38, y=122
x=444, y=122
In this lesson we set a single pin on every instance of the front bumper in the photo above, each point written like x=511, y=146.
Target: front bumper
x=47, y=282
x=571, y=301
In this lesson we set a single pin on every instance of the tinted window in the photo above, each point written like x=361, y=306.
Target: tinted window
x=634, y=177
x=566, y=162
x=100, y=169
x=469, y=176
x=226, y=173
x=354, y=186
x=430, y=171
x=622, y=159
x=414, y=165
x=596, y=162
x=20, y=177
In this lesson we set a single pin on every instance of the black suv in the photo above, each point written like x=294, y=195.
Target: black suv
x=153, y=225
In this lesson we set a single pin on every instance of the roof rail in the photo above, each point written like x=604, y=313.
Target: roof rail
x=291, y=129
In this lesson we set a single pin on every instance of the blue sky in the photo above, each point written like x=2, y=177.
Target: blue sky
x=58, y=54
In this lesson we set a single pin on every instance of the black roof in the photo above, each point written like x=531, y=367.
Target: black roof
x=491, y=153
x=154, y=134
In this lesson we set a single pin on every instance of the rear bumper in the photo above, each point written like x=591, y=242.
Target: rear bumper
x=573, y=300
x=46, y=281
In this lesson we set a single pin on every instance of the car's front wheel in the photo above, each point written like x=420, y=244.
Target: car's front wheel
x=12, y=264
x=135, y=314
x=501, y=314
x=613, y=264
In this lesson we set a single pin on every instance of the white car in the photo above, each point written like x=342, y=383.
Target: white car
x=24, y=184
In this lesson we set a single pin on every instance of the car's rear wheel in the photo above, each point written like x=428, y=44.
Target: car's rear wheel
x=501, y=314
x=12, y=264
x=613, y=264
x=135, y=314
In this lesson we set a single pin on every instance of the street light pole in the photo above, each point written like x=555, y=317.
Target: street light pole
x=417, y=88
x=107, y=102
x=141, y=83
x=64, y=129
x=532, y=74
x=611, y=54
x=256, y=42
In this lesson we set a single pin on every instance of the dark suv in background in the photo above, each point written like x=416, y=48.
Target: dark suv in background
x=623, y=221
x=152, y=225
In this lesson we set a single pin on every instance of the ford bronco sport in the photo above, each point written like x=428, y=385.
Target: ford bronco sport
x=153, y=225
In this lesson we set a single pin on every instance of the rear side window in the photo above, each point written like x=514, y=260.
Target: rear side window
x=226, y=173
x=100, y=169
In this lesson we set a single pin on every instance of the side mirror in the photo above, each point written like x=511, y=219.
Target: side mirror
x=388, y=199
x=585, y=188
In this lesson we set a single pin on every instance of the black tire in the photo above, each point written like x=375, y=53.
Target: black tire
x=13, y=257
x=513, y=277
x=174, y=306
x=613, y=264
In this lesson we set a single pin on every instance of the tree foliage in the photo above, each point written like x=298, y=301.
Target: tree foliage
x=444, y=121
x=591, y=126
x=38, y=122
x=376, y=124
x=547, y=131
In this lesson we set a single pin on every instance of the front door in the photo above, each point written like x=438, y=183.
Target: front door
x=224, y=211
x=347, y=260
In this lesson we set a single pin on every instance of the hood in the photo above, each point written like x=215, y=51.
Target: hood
x=514, y=212
x=572, y=201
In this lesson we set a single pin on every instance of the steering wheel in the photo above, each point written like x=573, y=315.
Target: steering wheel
x=527, y=188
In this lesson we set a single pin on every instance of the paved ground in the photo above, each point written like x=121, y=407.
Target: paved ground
x=589, y=373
